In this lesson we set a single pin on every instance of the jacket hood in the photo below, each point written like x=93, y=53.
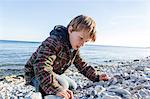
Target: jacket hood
x=62, y=33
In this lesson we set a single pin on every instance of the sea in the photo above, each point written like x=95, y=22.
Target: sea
x=14, y=54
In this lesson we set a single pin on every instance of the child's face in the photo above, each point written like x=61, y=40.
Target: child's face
x=78, y=38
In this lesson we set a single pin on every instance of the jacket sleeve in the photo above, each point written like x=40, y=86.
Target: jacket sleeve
x=46, y=55
x=86, y=69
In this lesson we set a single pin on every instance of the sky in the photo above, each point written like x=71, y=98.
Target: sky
x=119, y=22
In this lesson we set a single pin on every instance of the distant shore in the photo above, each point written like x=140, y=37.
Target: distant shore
x=15, y=41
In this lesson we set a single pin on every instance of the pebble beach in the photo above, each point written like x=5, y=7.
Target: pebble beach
x=129, y=80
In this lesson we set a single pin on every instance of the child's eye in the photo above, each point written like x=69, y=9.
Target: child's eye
x=81, y=38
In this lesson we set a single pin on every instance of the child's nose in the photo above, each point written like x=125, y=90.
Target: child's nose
x=82, y=43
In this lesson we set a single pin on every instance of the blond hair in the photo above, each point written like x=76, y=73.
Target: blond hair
x=84, y=23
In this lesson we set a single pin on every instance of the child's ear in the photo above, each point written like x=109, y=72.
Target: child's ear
x=70, y=28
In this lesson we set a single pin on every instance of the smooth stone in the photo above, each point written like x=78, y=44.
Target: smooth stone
x=36, y=95
x=110, y=97
x=53, y=97
x=139, y=68
x=147, y=87
x=99, y=89
x=142, y=93
x=120, y=91
x=112, y=81
x=119, y=78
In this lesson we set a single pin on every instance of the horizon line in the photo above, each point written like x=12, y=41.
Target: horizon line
x=85, y=44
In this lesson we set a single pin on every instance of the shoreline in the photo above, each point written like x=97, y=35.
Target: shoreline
x=132, y=80
x=19, y=70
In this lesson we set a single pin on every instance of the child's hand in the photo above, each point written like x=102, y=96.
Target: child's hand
x=67, y=94
x=104, y=77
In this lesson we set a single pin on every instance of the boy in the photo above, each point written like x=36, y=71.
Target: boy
x=57, y=53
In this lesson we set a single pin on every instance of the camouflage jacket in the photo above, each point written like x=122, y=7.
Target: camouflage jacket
x=54, y=56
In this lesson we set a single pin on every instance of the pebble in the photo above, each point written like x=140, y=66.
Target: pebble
x=129, y=80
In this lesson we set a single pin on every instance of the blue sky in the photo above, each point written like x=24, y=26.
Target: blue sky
x=119, y=22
